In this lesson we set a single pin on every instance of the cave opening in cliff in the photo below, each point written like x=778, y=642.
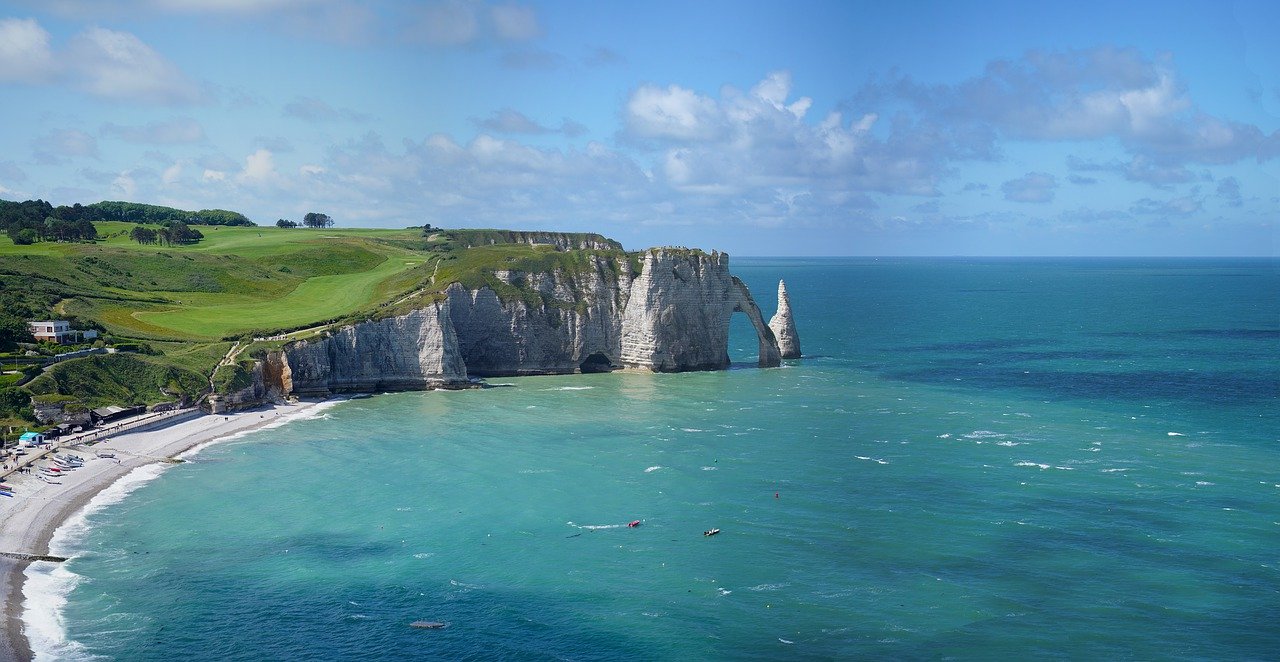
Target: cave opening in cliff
x=597, y=362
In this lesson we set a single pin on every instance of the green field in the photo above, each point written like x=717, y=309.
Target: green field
x=237, y=280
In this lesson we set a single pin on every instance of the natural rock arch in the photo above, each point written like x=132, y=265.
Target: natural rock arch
x=770, y=356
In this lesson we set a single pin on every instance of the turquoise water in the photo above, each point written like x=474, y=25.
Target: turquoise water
x=980, y=459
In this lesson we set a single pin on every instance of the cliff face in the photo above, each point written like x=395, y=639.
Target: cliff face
x=673, y=316
x=578, y=319
x=414, y=351
x=677, y=314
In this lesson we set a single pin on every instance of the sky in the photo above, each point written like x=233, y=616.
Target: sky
x=757, y=128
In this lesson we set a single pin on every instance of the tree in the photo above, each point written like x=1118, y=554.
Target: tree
x=317, y=220
x=286, y=223
x=13, y=330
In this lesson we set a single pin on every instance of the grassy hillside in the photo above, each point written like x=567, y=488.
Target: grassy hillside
x=186, y=306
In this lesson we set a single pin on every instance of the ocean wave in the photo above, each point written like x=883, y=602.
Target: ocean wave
x=767, y=587
x=595, y=527
x=653, y=469
x=569, y=388
x=316, y=411
x=710, y=468
x=985, y=434
x=45, y=591
x=871, y=459
x=1029, y=463
x=48, y=585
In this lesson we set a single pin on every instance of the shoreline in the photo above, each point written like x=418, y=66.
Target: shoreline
x=28, y=521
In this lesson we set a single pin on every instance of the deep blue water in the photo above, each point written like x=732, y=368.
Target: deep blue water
x=979, y=458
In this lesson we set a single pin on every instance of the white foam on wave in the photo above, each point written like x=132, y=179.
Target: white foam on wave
x=1008, y=443
x=1028, y=463
x=316, y=411
x=871, y=459
x=652, y=469
x=1114, y=470
x=570, y=388
x=945, y=436
x=1175, y=434
x=710, y=468
x=1203, y=483
x=595, y=527
x=48, y=584
x=692, y=430
x=767, y=587
x=985, y=434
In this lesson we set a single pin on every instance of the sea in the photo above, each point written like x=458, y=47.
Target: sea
x=976, y=459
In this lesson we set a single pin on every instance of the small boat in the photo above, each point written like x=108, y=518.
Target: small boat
x=710, y=532
x=633, y=523
x=8, y=494
x=7, y=488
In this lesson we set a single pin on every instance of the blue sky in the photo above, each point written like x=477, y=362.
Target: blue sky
x=796, y=128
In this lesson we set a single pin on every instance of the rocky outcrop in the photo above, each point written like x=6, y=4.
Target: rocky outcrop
x=673, y=315
x=677, y=314
x=784, y=326
x=410, y=352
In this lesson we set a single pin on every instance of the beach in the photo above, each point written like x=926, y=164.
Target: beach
x=29, y=519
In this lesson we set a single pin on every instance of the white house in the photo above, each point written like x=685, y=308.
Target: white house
x=58, y=331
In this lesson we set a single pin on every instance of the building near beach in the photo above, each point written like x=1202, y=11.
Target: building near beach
x=31, y=439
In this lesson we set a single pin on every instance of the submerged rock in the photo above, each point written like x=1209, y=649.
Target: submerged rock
x=784, y=326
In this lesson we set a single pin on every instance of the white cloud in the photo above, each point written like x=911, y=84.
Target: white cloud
x=211, y=175
x=61, y=145
x=672, y=112
x=1031, y=187
x=25, y=56
x=180, y=130
x=1086, y=95
x=514, y=22
x=172, y=174
x=449, y=23
x=118, y=65
x=259, y=169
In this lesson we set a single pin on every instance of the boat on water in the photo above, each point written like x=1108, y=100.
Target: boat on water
x=633, y=523
x=710, y=532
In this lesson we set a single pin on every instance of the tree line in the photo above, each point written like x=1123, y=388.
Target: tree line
x=159, y=215
x=175, y=232
x=311, y=220
x=37, y=220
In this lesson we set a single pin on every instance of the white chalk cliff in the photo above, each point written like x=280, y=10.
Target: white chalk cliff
x=672, y=316
x=784, y=326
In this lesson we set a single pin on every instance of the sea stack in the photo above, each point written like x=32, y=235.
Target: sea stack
x=784, y=327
